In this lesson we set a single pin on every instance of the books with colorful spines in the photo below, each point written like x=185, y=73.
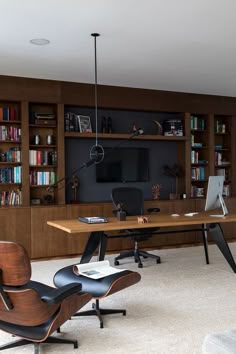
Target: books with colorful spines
x=95, y=270
x=6, y=113
x=12, y=113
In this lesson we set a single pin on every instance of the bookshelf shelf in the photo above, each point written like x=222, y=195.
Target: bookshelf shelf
x=10, y=122
x=39, y=186
x=10, y=142
x=43, y=167
x=9, y=184
x=42, y=126
x=10, y=163
x=10, y=159
x=125, y=136
x=47, y=146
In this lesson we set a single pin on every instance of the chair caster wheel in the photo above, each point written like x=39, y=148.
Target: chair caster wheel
x=116, y=263
x=140, y=265
x=158, y=261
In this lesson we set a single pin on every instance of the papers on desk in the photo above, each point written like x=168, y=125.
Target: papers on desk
x=190, y=214
x=95, y=270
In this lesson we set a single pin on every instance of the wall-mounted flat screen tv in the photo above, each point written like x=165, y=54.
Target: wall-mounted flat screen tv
x=124, y=164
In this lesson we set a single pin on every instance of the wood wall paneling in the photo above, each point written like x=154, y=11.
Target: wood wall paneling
x=15, y=226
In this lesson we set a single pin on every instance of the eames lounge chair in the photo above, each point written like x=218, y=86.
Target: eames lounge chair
x=132, y=200
x=32, y=310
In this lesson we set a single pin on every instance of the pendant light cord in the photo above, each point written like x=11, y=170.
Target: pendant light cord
x=95, y=35
x=96, y=151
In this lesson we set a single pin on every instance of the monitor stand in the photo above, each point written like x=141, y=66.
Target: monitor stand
x=223, y=206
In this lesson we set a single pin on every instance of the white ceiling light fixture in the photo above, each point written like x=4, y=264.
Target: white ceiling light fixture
x=39, y=41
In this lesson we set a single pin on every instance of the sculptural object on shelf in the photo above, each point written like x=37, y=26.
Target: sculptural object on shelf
x=156, y=188
x=173, y=172
x=75, y=186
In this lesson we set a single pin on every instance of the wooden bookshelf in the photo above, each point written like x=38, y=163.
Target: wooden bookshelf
x=28, y=95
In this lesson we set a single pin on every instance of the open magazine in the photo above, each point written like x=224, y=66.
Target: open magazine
x=96, y=270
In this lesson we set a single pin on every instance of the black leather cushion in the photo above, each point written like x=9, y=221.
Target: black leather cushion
x=31, y=333
x=97, y=288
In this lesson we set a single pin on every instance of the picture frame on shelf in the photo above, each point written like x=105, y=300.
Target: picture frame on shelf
x=85, y=124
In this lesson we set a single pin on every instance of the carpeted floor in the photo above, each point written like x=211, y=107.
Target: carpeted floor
x=170, y=311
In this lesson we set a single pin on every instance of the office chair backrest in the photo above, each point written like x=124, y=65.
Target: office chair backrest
x=130, y=197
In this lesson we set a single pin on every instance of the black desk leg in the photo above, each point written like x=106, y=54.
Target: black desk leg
x=102, y=246
x=96, y=240
x=218, y=236
x=204, y=236
x=92, y=244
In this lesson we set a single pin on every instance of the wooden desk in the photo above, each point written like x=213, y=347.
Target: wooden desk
x=98, y=237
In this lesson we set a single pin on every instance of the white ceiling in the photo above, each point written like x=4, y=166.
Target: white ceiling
x=174, y=45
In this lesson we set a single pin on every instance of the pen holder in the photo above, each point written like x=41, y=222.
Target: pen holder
x=121, y=215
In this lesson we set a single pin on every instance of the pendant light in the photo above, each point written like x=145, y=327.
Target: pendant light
x=96, y=151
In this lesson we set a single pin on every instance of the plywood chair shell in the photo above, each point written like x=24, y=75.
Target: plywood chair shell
x=16, y=263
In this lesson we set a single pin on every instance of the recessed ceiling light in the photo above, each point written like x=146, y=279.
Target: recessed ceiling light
x=39, y=41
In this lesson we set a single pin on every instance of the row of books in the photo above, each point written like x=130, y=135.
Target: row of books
x=197, y=192
x=8, y=114
x=13, y=197
x=194, y=143
x=197, y=123
x=10, y=175
x=226, y=190
x=48, y=117
x=41, y=178
x=13, y=154
x=42, y=157
x=198, y=173
x=219, y=160
x=220, y=127
x=194, y=156
x=77, y=123
x=72, y=122
x=10, y=133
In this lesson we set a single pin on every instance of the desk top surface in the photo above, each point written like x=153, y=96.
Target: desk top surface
x=155, y=220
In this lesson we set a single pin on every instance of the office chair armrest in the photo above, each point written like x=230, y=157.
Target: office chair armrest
x=154, y=210
x=54, y=296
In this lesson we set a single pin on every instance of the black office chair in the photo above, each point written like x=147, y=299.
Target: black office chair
x=133, y=203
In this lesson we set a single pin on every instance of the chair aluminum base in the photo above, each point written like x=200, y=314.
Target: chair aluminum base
x=136, y=253
x=97, y=311
x=22, y=342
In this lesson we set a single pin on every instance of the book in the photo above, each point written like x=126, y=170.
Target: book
x=45, y=121
x=93, y=219
x=95, y=270
x=44, y=115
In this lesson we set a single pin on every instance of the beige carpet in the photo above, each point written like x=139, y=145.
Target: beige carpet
x=170, y=311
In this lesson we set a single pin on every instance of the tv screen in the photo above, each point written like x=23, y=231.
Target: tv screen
x=124, y=165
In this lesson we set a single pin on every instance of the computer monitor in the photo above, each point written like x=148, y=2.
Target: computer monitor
x=214, y=198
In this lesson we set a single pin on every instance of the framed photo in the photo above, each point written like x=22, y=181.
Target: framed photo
x=85, y=124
